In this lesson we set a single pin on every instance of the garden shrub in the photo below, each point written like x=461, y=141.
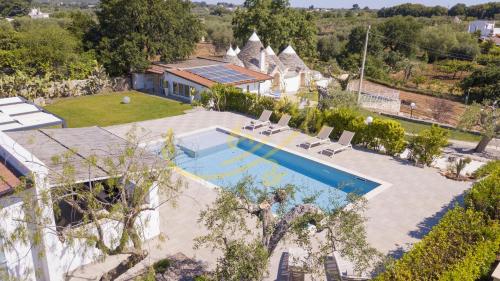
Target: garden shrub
x=387, y=133
x=476, y=264
x=428, y=145
x=286, y=106
x=161, y=266
x=487, y=169
x=261, y=103
x=485, y=195
x=313, y=120
x=460, y=239
x=382, y=132
x=345, y=119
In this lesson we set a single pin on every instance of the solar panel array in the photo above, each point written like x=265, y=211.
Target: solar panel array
x=220, y=74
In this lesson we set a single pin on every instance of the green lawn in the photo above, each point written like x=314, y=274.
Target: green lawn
x=414, y=128
x=107, y=109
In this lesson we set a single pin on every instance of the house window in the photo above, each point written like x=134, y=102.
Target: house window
x=176, y=88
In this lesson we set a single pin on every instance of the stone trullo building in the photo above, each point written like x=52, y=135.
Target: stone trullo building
x=288, y=70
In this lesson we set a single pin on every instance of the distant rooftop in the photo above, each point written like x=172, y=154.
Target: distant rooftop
x=17, y=114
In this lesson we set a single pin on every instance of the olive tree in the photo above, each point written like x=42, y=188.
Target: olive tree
x=247, y=222
x=484, y=118
x=84, y=210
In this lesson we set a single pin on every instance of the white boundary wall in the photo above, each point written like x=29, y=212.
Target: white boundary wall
x=51, y=258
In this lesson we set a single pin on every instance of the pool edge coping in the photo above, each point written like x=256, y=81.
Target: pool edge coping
x=369, y=195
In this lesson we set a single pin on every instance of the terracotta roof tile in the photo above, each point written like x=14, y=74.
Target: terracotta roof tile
x=8, y=180
x=157, y=69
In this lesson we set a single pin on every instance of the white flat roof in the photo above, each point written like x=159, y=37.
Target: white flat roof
x=5, y=118
x=11, y=100
x=18, y=108
x=18, y=114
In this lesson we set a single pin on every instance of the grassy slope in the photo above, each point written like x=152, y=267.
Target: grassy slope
x=107, y=109
x=413, y=128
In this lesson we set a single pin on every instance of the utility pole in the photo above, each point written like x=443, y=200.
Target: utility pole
x=363, y=64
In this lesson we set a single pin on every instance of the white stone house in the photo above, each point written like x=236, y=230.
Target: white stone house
x=288, y=70
x=487, y=28
x=186, y=80
x=29, y=154
x=36, y=13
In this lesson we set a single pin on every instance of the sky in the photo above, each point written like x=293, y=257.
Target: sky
x=362, y=3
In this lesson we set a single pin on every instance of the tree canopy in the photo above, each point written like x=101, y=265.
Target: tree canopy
x=133, y=31
x=11, y=8
x=277, y=24
x=43, y=48
x=247, y=222
x=414, y=10
x=483, y=84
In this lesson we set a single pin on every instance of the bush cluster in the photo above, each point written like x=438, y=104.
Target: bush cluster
x=427, y=145
x=463, y=246
x=382, y=135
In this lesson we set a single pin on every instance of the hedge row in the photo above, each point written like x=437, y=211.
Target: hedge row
x=382, y=133
x=462, y=246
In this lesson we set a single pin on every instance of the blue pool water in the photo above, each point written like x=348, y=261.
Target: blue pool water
x=224, y=160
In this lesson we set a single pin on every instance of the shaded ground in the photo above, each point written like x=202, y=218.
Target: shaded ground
x=108, y=109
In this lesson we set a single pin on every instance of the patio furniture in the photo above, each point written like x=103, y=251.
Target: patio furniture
x=261, y=122
x=322, y=137
x=332, y=271
x=282, y=125
x=343, y=143
x=287, y=271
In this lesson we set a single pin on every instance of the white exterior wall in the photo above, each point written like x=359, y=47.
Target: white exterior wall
x=292, y=84
x=18, y=258
x=142, y=81
x=487, y=28
x=52, y=258
x=174, y=78
x=264, y=87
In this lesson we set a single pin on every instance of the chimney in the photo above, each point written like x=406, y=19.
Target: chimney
x=262, y=61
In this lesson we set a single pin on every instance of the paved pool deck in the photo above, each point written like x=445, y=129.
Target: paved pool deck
x=396, y=217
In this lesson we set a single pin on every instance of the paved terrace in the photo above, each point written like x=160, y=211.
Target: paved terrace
x=397, y=217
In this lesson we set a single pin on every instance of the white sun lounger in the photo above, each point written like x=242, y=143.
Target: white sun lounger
x=261, y=122
x=322, y=137
x=343, y=143
x=282, y=125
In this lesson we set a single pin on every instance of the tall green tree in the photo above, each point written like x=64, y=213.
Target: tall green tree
x=11, y=8
x=43, y=48
x=400, y=34
x=277, y=25
x=483, y=84
x=134, y=31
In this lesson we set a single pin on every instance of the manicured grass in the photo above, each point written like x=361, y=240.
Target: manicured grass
x=414, y=128
x=107, y=109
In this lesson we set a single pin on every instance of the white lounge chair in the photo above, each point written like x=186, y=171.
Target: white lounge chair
x=261, y=122
x=322, y=137
x=282, y=125
x=343, y=143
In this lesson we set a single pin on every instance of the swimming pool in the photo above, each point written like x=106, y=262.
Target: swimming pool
x=224, y=158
